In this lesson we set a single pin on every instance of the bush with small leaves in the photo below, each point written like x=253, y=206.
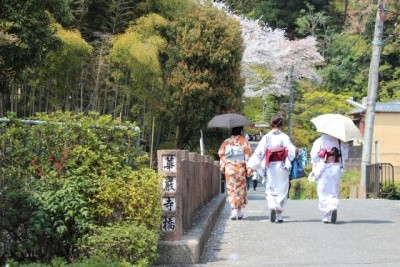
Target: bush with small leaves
x=127, y=241
x=62, y=179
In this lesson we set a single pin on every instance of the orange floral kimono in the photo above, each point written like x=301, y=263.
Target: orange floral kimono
x=234, y=153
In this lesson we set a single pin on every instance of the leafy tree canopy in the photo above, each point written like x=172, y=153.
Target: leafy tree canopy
x=26, y=26
x=136, y=55
x=62, y=68
x=348, y=65
x=276, y=13
x=310, y=106
x=101, y=17
x=203, y=71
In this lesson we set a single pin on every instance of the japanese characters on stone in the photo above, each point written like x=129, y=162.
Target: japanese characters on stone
x=169, y=204
x=169, y=163
x=169, y=186
x=168, y=224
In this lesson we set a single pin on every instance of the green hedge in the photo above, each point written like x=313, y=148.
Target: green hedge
x=88, y=262
x=390, y=191
x=72, y=179
x=303, y=189
x=128, y=241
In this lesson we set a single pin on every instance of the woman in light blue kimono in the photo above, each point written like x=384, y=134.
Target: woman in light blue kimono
x=274, y=170
x=328, y=166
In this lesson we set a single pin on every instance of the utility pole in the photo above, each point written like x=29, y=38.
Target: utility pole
x=291, y=99
x=264, y=107
x=373, y=81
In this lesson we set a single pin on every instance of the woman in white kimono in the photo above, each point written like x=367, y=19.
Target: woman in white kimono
x=276, y=171
x=328, y=173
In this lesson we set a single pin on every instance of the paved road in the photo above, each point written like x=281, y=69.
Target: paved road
x=367, y=233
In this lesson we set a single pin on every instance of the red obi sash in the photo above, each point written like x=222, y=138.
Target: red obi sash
x=278, y=153
x=332, y=156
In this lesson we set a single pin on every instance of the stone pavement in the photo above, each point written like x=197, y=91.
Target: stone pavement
x=367, y=233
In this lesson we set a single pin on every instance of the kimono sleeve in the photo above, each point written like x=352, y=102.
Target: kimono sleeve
x=221, y=154
x=257, y=160
x=315, y=150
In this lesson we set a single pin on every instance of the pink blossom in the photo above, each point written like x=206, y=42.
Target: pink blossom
x=268, y=51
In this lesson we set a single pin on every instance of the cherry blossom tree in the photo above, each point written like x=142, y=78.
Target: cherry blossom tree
x=269, y=57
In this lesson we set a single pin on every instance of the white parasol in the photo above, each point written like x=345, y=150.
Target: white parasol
x=338, y=126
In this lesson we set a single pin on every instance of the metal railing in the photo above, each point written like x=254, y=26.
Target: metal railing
x=380, y=179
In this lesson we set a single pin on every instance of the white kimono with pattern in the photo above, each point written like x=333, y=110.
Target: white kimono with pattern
x=328, y=187
x=276, y=175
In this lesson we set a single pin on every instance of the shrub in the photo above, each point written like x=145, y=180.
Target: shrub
x=59, y=262
x=303, y=189
x=130, y=196
x=390, y=191
x=62, y=179
x=127, y=241
x=348, y=180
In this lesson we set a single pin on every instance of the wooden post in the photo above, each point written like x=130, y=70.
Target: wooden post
x=171, y=199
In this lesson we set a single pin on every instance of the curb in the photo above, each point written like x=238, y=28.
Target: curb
x=188, y=250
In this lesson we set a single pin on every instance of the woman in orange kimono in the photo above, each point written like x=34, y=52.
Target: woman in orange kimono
x=234, y=153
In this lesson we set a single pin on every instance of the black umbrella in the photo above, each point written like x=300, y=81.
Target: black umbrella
x=228, y=120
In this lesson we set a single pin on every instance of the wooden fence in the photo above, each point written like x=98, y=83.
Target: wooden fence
x=190, y=182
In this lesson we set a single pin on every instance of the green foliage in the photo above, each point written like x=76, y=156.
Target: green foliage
x=135, y=59
x=302, y=137
x=140, y=46
x=279, y=14
x=151, y=62
x=113, y=17
x=169, y=8
x=303, y=189
x=90, y=262
x=309, y=105
x=203, y=71
x=311, y=22
x=317, y=103
x=390, y=191
x=63, y=215
x=129, y=197
x=62, y=69
x=253, y=109
x=62, y=179
x=389, y=78
x=261, y=109
x=348, y=65
x=348, y=180
x=29, y=22
x=128, y=242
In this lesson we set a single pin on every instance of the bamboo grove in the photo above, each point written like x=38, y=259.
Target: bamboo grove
x=176, y=62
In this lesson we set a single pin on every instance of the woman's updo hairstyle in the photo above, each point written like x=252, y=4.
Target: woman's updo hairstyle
x=276, y=121
x=237, y=130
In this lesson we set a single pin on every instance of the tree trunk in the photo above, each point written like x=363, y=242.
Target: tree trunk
x=346, y=4
x=47, y=100
x=97, y=81
x=11, y=97
x=81, y=85
x=1, y=106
